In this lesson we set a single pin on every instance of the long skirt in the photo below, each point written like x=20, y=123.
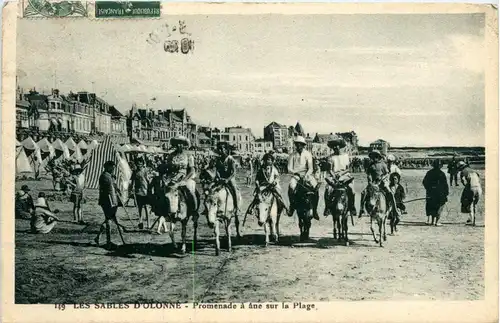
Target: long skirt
x=434, y=206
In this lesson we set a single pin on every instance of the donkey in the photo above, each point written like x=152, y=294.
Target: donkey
x=336, y=205
x=376, y=205
x=268, y=214
x=220, y=208
x=176, y=209
x=303, y=205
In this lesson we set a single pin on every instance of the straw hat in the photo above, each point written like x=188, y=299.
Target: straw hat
x=41, y=202
x=180, y=140
x=300, y=140
x=337, y=142
x=461, y=165
x=391, y=157
x=374, y=153
x=77, y=169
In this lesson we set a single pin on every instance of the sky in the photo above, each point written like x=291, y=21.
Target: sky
x=413, y=80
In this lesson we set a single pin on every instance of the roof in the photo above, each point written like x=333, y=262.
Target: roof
x=379, y=141
x=114, y=112
x=275, y=124
x=324, y=138
x=22, y=103
x=299, y=129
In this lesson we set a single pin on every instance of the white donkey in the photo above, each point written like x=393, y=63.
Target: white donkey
x=220, y=208
x=267, y=214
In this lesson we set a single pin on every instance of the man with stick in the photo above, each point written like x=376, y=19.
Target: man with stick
x=108, y=200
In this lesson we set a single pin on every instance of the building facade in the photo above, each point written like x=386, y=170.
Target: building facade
x=279, y=135
x=262, y=146
x=241, y=138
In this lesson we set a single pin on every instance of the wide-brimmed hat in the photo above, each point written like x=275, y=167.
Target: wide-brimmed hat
x=41, y=202
x=394, y=175
x=391, y=157
x=25, y=188
x=77, y=169
x=336, y=143
x=461, y=165
x=269, y=156
x=180, y=140
x=300, y=140
x=374, y=153
x=109, y=163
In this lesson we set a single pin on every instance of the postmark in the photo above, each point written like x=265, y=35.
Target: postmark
x=174, y=37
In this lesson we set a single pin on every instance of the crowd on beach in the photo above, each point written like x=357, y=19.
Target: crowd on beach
x=151, y=172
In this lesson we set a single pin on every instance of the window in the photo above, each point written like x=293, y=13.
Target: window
x=246, y=138
x=52, y=105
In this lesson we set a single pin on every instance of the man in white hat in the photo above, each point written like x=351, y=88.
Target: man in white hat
x=300, y=164
x=338, y=172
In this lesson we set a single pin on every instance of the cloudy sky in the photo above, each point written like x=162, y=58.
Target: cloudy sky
x=409, y=79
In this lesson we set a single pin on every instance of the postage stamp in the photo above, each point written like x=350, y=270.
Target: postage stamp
x=249, y=162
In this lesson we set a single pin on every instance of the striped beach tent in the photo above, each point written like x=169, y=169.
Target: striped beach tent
x=99, y=155
x=94, y=168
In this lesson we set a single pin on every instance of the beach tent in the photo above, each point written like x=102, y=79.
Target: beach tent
x=61, y=149
x=46, y=148
x=77, y=155
x=71, y=145
x=93, y=144
x=23, y=164
x=83, y=146
x=104, y=152
x=32, y=152
x=125, y=148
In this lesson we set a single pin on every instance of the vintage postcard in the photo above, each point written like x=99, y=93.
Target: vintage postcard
x=168, y=162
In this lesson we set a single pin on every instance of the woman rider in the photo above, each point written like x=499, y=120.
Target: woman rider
x=268, y=177
x=181, y=169
x=225, y=167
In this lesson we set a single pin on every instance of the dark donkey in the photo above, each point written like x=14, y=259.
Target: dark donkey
x=336, y=205
x=303, y=205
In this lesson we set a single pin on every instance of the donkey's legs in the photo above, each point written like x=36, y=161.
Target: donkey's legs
x=372, y=229
x=217, y=237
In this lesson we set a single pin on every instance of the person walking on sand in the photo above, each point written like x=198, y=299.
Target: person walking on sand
x=472, y=190
x=139, y=188
x=77, y=183
x=436, y=188
x=453, y=171
x=108, y=200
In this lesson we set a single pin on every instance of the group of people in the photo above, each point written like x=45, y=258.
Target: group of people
x=42, y=218
x=437, y=189
x=179, y=168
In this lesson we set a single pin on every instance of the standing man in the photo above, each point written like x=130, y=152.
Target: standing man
x=300, y=164
x=225, y=167
x=472, y=188
x=339, y=163
x=108, y=200
x=140, y=188
x=77, y=184
x=453, y=171
x=436, y=188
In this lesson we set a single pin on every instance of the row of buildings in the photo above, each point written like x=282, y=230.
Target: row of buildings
x=84, y=115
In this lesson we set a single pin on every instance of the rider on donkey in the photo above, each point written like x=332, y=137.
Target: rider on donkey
x=300, y=164
x=225, y=167
x=339, y=163
x=181, y=168
x=268, y=178
x=377, y=173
